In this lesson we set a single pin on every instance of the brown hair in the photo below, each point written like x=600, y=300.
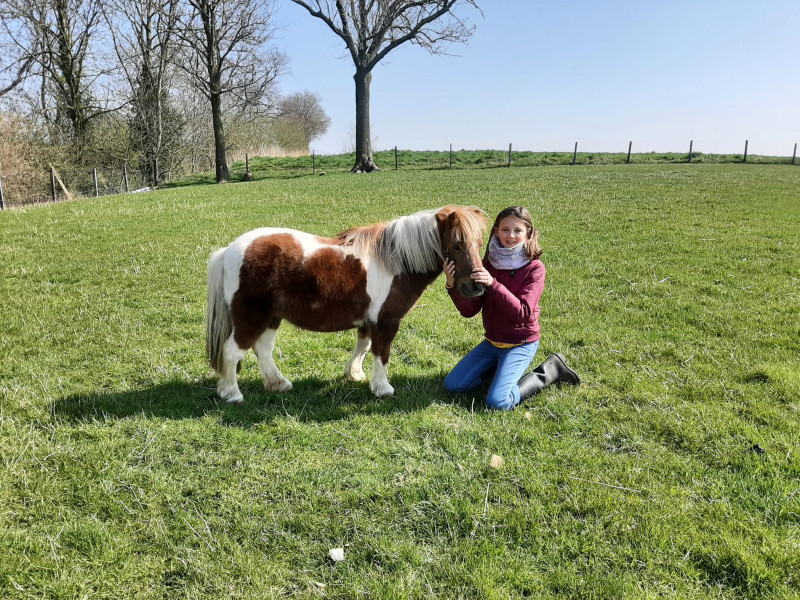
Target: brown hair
x=532, y=248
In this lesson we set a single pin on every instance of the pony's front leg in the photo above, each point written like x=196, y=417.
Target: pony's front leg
x=227, y=386
x=274, y=381
x=354, y=369
x=382, y=337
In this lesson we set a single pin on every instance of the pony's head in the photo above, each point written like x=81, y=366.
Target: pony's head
x=461, y=230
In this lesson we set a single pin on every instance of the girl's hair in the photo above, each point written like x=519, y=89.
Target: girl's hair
x=532, y=248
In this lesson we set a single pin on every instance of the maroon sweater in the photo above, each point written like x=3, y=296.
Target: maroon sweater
x=510, y=305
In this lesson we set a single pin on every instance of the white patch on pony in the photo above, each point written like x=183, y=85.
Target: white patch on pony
x=227, y=387
x=379, y=284
x=379, y=384
x=274, y=381
x=354, y=369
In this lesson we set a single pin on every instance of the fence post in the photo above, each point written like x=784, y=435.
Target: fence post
x=630, y=145
x=575, y=153
x=125, y=177
x=794, y=155
x=94, y=178
x=745, y=150
x=691, y=143
x=155, y=172
x=395, y=158
x=53, y=183
x=2, y=198
x=509, y=155
x=451, y=155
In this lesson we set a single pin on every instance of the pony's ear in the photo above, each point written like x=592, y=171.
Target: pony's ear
x=442, y=215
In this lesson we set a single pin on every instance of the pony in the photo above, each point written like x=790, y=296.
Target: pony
x=366, y=278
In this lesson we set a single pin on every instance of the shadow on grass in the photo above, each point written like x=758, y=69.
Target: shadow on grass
x=312, y=400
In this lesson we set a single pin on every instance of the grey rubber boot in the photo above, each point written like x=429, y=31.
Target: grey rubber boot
x=553, y=370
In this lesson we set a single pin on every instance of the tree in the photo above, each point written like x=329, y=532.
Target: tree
x=372, y=28
x=228, y=60
x=57, y=36
x=304, y=111
x=144, y=36
x=16, y=49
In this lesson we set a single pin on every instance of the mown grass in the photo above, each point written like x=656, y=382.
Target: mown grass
x=672, y=472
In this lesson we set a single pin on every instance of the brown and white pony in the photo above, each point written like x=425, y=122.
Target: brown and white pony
x=366, y=278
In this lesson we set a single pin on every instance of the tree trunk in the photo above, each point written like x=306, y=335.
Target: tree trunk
x=364, y=160
x=221, y=159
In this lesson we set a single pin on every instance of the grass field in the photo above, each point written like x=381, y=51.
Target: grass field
x=674, y=290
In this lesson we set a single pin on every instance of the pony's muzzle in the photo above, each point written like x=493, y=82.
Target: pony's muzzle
x=470, y=289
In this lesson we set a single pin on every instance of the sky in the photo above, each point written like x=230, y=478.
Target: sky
x=542, y=76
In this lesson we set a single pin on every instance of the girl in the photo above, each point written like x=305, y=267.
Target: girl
x=514, y=280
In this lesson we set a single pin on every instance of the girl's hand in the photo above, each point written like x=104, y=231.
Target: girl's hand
x=481, y=275
x=449, y=273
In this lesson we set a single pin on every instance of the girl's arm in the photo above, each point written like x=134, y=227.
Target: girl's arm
x=520, y=308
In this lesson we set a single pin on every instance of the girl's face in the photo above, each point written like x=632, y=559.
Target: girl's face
x=511, y=231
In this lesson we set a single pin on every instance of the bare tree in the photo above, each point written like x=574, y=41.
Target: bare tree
x=144, y=36
x=227, y=58
x=18, y=46
x=372, y=28
x=60, y=38
x=304, y=111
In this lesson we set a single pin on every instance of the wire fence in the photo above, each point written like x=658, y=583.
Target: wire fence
x=54, y=186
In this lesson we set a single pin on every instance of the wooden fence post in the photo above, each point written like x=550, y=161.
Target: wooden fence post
x=125, y=177
x=509, y=155
x=794, y=155
x=248, y=176
x=575, y=153
x=395, y=158
x=630, y=145
x=53, y=183
x=745, y=150
x=2, y=198
x=691, y=143
x=94, y=178
x=451, y=155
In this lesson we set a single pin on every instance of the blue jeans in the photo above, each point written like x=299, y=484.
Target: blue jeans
x=510, y=362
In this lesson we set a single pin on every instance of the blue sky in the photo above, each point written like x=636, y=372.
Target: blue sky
x=544, y=75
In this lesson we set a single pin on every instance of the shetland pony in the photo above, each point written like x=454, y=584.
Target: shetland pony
x=366, y=278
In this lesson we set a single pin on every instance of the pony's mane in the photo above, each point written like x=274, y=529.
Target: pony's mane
x=411, y=244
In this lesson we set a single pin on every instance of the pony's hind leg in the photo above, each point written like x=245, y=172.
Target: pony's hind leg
x=354, y=369
x=227, y=386
x=274, y=381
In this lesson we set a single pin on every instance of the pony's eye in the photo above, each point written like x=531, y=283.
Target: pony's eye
x=457, y=247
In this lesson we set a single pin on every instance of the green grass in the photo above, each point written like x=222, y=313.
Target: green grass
x=674, y=290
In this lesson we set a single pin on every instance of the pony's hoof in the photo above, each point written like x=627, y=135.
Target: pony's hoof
x=383, y=391
x=358, y=377
x=230, y=394
x=278, y=385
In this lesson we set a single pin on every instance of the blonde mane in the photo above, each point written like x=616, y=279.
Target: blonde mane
x=411, y=244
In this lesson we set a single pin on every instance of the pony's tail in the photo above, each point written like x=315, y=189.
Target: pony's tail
x=218, y=314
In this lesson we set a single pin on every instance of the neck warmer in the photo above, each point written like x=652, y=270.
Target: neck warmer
x=507, y=258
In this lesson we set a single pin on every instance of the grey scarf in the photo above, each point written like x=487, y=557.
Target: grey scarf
x=507, y=258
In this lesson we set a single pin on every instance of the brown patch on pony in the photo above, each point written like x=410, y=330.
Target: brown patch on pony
x=325, y=292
